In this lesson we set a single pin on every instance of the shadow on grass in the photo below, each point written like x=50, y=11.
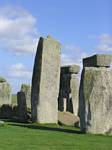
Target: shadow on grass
x=46, y=128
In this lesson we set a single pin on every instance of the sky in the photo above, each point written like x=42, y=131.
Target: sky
x=83, y=27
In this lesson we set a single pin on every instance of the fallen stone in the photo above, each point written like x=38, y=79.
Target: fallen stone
x=67, y=118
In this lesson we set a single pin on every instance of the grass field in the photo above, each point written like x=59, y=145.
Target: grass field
x=17, y=136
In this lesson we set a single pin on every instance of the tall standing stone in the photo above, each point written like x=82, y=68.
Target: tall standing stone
x=69, y=89
x=5, y=92
x=22, y=109
x=96, y=95
x=27, y=90
x=45, y=81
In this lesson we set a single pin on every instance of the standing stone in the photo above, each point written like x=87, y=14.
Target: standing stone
x=27, y=90
x=69, y=88
x=45, y=81
x=22, y=109
x=95, y=105
x=5, y=92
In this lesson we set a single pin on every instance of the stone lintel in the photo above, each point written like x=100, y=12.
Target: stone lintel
x=70, y=69
x=98, y=60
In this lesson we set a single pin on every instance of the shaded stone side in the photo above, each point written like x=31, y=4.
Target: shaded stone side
x=22, y=109
x=5, y=92
x=45, y=81
x=95, y=105
x=9, y=112
x=70, y=69
x=69, y=89
x=27, y=90
x=6, y=111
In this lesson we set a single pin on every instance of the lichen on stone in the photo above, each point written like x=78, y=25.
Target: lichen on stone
x=25, y=87
x=2, y=79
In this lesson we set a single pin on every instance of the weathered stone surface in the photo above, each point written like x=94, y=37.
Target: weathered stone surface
x=45, y=81
x=69, y=91
x=100, y=60
x=2, y=79
x=96, y=100
x=70, y=69
x=22, y=109
x=27, y=90
x=5, y=92
x=6, y=111
x=67, y=118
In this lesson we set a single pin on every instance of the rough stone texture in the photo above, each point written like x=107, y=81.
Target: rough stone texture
x=71, y=69
x=6, y=111
x=96, y=100
x=5, y=92
x=67, y=118
x=45, y=81
x=27, y=90
x=22, y=109
x=100, y=60
x=69, y=87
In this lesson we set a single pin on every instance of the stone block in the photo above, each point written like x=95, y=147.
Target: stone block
x=99, y=60
x=6, y=111
x=5, y=92
x=68, y=95
x=45, y=81
x=22, y=109
x=70, y=69
x=67, y=118
x=27, y=90
x=95, y=105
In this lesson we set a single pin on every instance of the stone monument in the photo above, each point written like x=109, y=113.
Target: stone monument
x=5, y=92
x=95, y=105
x=27, y=90
x=45, y=81
x=69, y=89
x=22, y=109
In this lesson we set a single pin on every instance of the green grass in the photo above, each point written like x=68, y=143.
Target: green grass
x=17, y=136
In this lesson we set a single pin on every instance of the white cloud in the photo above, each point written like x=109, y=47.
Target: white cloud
x=104, y=47
x=72, y=55
x=18, y=30
x=66, y=60
x=104, y=42
x=19, y=71
x=105, y=38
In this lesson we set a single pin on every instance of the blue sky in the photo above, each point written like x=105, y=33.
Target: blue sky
x=84, y=27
